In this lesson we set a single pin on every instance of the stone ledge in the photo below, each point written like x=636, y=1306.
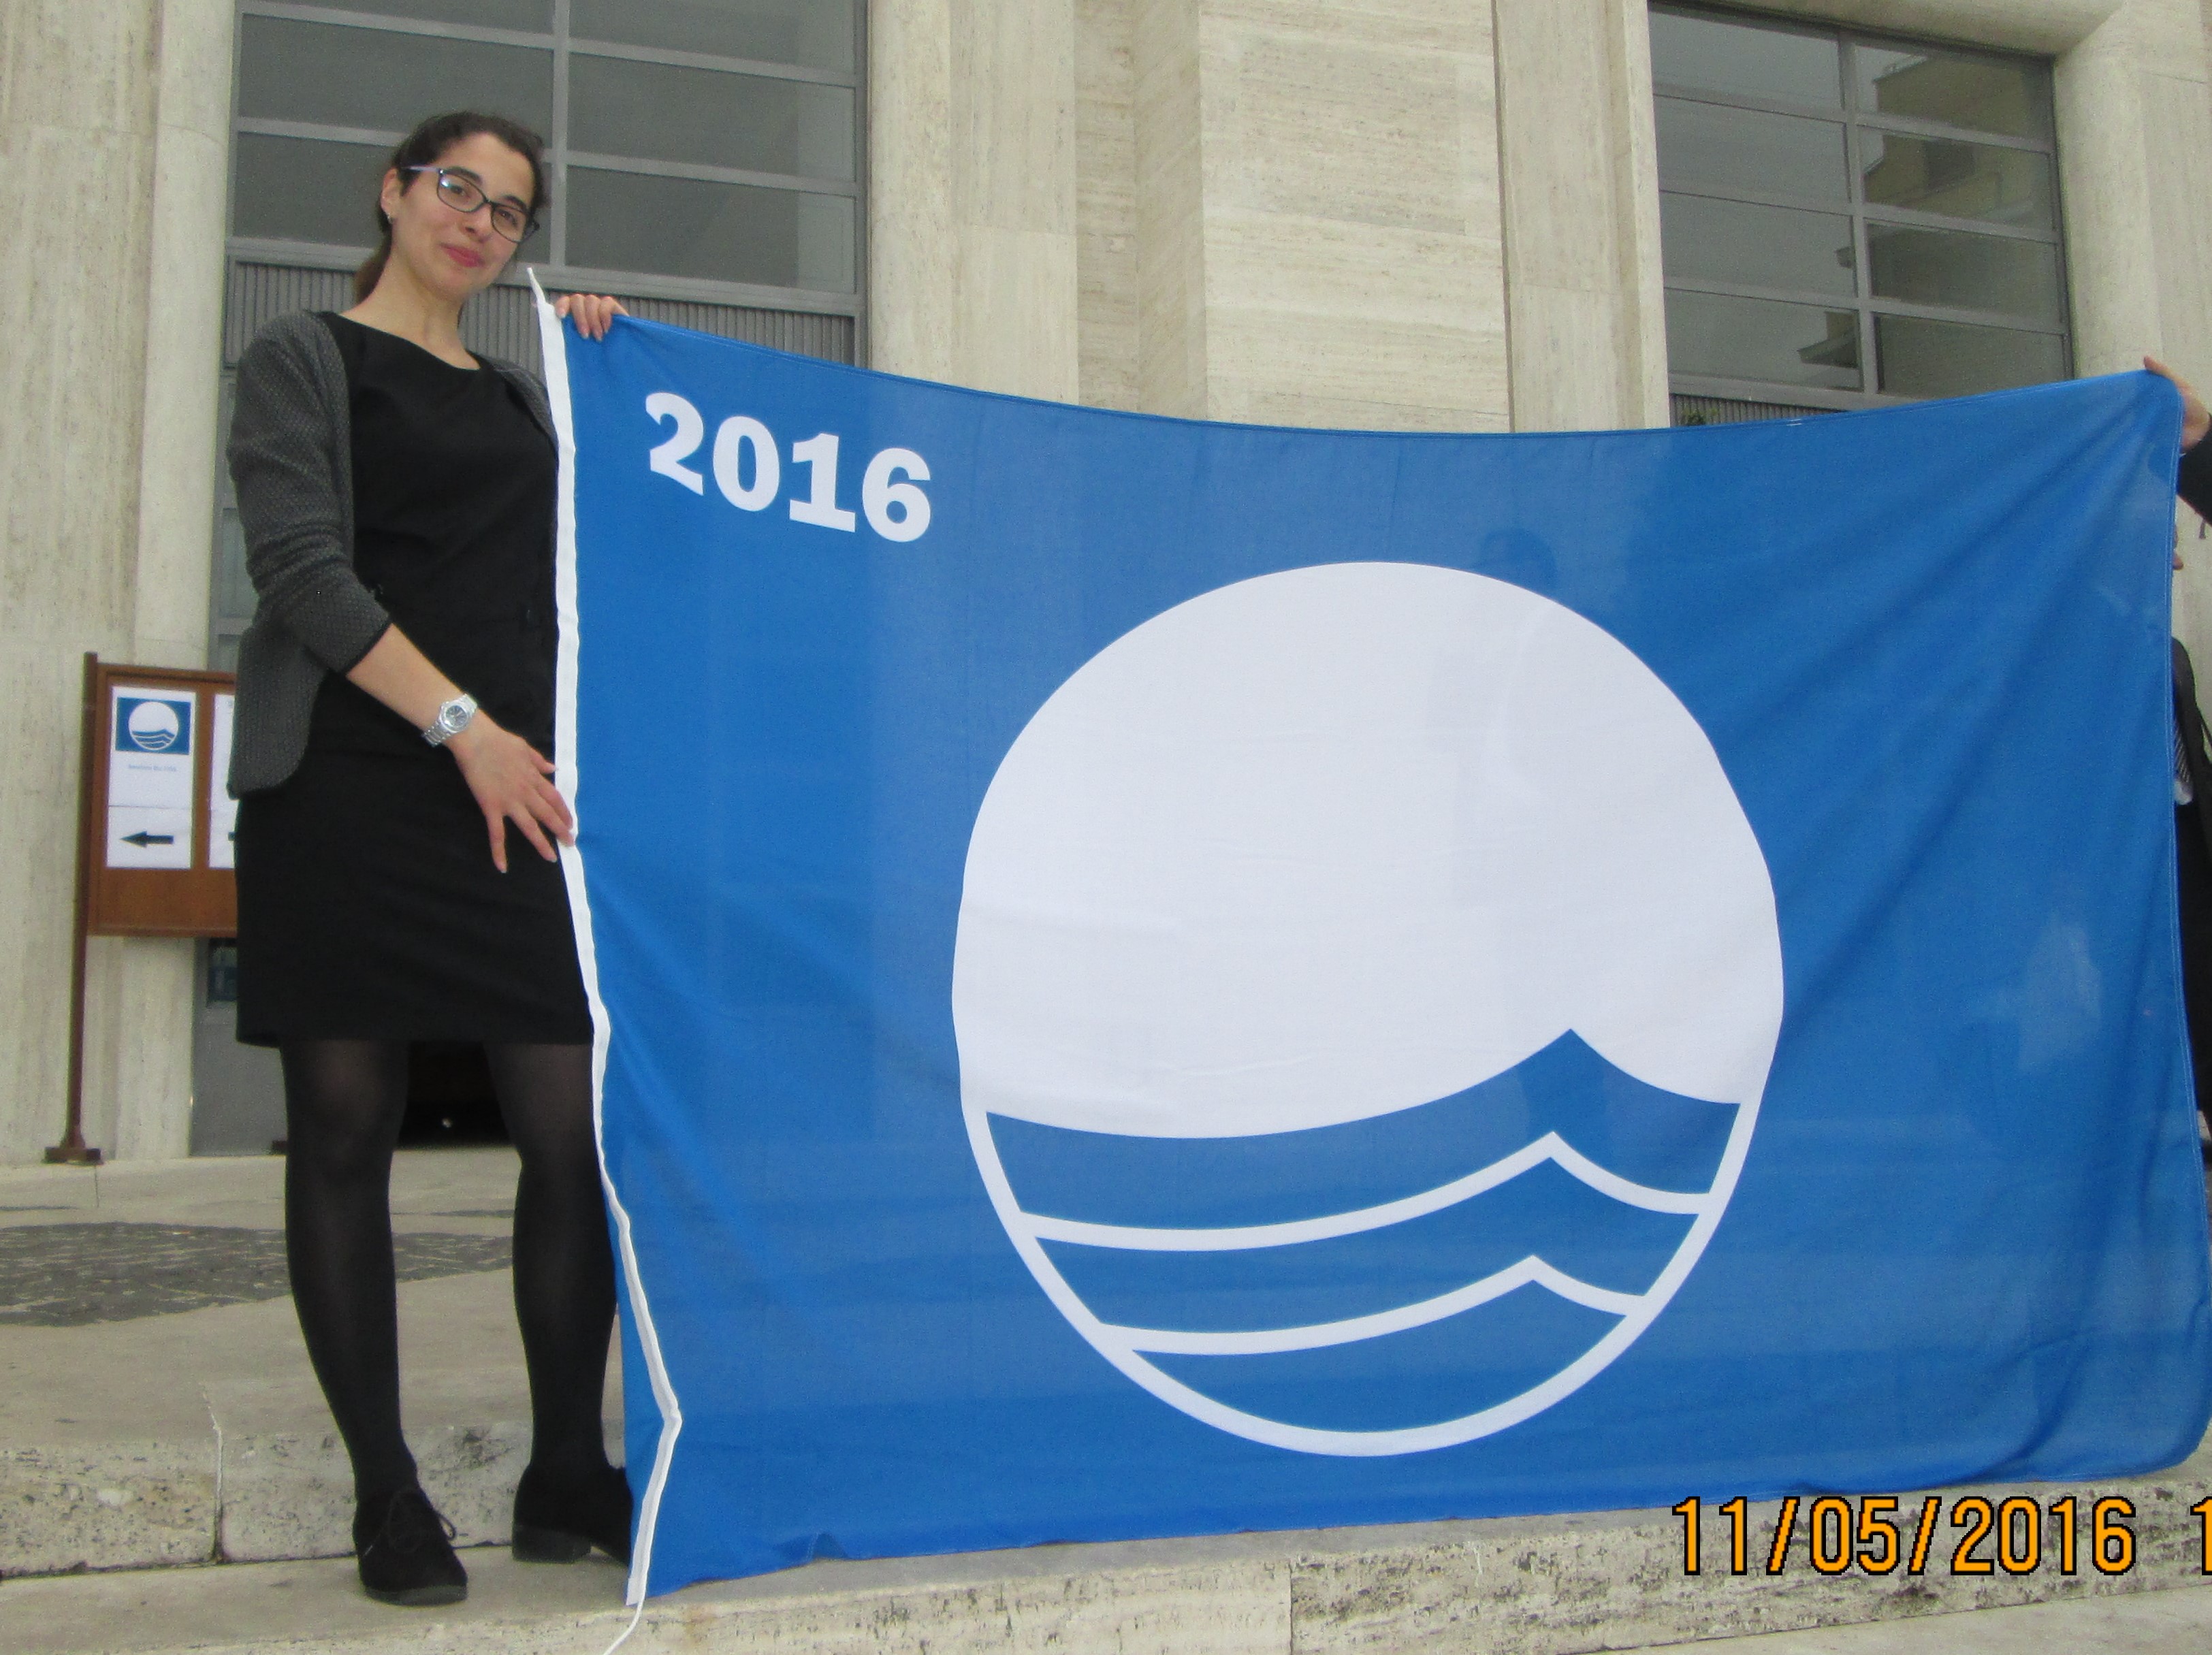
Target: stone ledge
x=1542, y=1585
x=106, y=1505
x=276, y=1496
x=288, y=1496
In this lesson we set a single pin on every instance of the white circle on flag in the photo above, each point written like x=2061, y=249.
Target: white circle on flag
x=153, y=726
x=1328, y=844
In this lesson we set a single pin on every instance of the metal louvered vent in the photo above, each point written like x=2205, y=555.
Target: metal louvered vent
x=1728, y=411
x=260, y=292
x=499, y=323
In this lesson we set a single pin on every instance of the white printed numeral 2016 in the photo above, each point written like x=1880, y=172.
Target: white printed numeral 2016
x=895, y=505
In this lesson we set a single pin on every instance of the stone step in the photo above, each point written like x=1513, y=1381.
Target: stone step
x=258, y=1497
x=156, y=1404
x=251, y=1609
x=1539, y=1586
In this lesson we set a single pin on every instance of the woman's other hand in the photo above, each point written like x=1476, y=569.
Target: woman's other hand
x=2195, y=418
x=593, y=313
x=512, y=782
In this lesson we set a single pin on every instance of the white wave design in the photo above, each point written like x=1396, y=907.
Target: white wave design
x=1318, y=1335
x=1237, y=1238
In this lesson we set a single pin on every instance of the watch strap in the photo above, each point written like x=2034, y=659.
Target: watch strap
x=453, y=718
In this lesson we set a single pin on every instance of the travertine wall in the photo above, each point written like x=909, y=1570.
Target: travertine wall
x=1316, y=228
x=1106, y=204
x=113, y=131
x=1581, y=212
x=1318, y=213
x=971, y=193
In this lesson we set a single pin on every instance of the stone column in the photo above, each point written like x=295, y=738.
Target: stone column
x=2135, y=136
x=78, y=115
x=1317, y=213
x=971, y=210
x=144, y=1042
x=113, y=120
x=1580, y=168
x=1106, y=202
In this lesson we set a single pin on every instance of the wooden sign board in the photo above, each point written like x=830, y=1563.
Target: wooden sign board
x=157, y=851
x=155, y=825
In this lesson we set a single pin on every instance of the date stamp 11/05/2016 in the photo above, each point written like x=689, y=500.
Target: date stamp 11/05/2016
x=1875, y=1534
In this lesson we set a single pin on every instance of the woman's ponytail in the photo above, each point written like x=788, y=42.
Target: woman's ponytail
x=372, y=268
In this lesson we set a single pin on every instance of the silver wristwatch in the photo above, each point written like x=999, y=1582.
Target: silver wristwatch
x=453, y=718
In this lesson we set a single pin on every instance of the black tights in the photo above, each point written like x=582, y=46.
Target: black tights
x=342, y=1102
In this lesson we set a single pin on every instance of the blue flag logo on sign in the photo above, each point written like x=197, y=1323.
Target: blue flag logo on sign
x=151, y=726
x=1164, y=978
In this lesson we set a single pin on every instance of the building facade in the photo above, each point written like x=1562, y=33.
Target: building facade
x=1465, y=214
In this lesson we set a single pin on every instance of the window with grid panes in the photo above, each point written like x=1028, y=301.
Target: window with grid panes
x=1849, y=220
x=700, y=149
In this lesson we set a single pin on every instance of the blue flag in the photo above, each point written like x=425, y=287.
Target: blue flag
x=1162, y=978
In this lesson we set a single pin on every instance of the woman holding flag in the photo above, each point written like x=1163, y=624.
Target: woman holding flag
x=397, y=874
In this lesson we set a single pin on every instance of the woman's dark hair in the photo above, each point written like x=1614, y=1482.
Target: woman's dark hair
x=423, y=147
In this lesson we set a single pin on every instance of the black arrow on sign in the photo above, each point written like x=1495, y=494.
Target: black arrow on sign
x=141, y=839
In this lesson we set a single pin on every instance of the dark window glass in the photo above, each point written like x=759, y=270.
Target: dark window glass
x=1746, y=149
x=531, y=16
x=1745, y=60
x=1973, y=272
x=305, y=190
x=361, y=77
x=658, y=113
x=222, y=972
x=1958, y=179
x=718, y=232
x=381, y=72
x=1759, y=339
x=817, y=34
x=1978, y=92
x=1952, y=211
x=234, y=596
x=1955, y=359
x=1707, y=239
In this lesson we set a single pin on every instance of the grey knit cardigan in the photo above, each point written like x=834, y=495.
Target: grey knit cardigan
x=291, y=458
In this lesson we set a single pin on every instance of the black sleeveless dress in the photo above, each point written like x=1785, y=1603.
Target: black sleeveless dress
x=367, y=904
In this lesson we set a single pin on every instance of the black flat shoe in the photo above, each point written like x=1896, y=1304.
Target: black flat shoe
x=559, y=1520
x=405, y=1550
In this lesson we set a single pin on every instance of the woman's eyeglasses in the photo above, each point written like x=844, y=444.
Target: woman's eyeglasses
x=465, y=195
